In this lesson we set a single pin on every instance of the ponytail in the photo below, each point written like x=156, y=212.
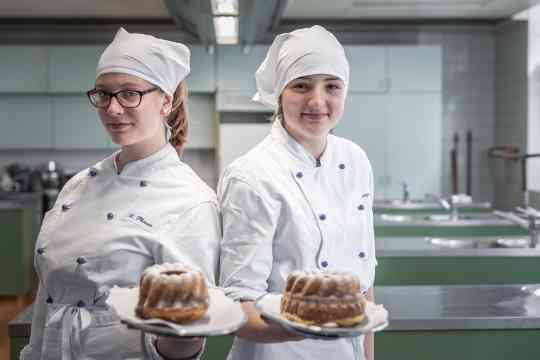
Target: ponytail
x=178, y=118
x=278, y=113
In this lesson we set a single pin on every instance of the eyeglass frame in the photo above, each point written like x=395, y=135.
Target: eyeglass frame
x=115, y=95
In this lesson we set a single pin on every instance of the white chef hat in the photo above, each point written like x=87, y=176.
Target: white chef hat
x=161, y=62
x=303, y=52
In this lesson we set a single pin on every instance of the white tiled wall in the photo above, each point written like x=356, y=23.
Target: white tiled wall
x=533, y=123
x=468, y=95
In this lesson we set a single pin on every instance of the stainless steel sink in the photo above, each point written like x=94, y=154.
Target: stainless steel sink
x=425, y=205
x=441, y=220
x=397, y=218
x=483, y=243
x=513, y=242
x=447, y=217
x=453, y=243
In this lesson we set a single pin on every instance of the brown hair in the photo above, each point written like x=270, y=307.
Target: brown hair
x=178, y=118
x=278, y=112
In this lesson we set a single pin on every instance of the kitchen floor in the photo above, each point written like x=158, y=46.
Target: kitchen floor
x=10, y=306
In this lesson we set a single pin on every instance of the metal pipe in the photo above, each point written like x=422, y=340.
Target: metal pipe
x=469, y=163
x=524, y=191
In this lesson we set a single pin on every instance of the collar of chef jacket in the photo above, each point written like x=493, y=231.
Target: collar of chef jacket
x=303, y=157
x=148, y=164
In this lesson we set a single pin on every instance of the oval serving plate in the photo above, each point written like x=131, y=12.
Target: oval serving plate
x=224, y=315
x=376, y=320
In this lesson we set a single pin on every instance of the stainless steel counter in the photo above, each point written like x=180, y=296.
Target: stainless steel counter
x=461, y=307
x=425, y=205
x=477, y=220
x=421, y=246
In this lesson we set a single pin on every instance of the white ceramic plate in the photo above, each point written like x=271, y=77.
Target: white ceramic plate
x=376, y=319
x=224, y=315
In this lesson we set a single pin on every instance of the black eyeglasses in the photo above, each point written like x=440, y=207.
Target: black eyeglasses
x=126, y=98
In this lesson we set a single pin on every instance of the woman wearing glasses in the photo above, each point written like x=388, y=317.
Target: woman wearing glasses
x=140, y=206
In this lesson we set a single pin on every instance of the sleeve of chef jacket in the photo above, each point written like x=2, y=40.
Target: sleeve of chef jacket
x=193, y=239
x=195, y=242
x=39, y=311
x=371, y=222
x=249, y=220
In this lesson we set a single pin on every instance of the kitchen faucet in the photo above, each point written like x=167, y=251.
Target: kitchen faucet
x=449, y=205
x=530, y=224
x=405, y=191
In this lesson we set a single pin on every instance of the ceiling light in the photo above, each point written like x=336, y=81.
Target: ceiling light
x=226, y=28
x=225, y=7
x=402, y=3
x=521, y=16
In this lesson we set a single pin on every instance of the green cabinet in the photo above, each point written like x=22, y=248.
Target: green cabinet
x=19, y=231
x=24, y=69
x=452, y=270
x=394, y=112
x=236, y=67
x=368, y=69
x=26, y=122
x=201, y=78
x=77, y=124
x=72, y=69
x=44, y=105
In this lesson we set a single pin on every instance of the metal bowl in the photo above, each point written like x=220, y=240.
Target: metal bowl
x=513, y=243
x=453, y=243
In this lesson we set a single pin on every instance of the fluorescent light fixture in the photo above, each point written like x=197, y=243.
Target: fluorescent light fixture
x=522, y=15
x=225, y=7
x=226, y=28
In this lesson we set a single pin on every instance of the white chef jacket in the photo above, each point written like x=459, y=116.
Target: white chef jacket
x=282, y=210
x=104, y=230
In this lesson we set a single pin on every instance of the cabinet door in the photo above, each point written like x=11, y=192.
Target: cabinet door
x=25, y=122
x=236, y=69
x=76, y=124
x=201, y=77
x=237, y=139
x=413, y=144
x=72, y=69
x=364, y=122
x=201, y=133
x=24, y=69
x=367, y=68
x=415, y=68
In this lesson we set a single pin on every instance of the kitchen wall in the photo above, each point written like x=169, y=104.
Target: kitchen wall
x=533, y=123
x=511, y=109
x=468, y=96
x=468, y=104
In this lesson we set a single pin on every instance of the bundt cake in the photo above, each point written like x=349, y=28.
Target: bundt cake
x=323, y=298
x=172, y=292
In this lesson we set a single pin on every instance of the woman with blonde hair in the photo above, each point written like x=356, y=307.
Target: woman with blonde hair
x=138, y=207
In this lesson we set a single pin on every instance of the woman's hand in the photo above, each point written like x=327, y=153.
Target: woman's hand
x=261, y=329
x=178, y=347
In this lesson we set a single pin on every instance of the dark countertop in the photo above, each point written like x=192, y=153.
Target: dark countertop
x=461, y=307
x=20, y=326
x=449, y=307
x=420, y=246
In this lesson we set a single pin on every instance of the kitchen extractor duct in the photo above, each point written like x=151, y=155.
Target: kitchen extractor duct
x=196, y=16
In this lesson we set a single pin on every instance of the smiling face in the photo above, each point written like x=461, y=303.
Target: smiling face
x=141, y=127
x=312, y=106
